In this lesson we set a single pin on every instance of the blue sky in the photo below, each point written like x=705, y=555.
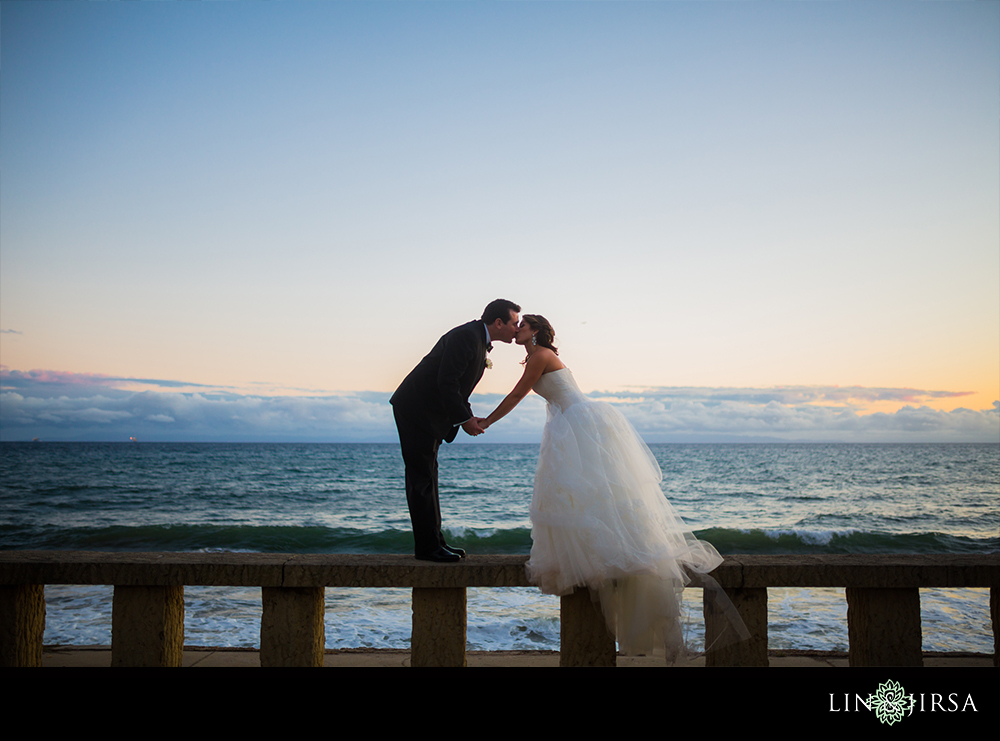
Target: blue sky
x=250, y=220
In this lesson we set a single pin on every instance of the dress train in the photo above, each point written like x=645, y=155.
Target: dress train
x=600, y=520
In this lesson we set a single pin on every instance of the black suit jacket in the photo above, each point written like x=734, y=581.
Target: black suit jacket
x=437, y=391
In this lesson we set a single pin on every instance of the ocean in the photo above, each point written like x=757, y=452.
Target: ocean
x=348, y=498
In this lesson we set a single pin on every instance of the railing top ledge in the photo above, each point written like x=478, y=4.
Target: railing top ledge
x=884, y=571
x=369, y=570
x=257, y=569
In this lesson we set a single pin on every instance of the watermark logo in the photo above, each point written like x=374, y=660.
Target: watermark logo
x=891, y=702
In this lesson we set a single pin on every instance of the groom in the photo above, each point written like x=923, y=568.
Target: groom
x=431, y=404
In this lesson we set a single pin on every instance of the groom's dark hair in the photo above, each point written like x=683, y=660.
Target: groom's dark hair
x=499, y=309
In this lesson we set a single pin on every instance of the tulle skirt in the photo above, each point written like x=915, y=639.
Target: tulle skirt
x=600, y=520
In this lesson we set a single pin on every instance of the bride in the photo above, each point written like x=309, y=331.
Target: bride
x=599, y=518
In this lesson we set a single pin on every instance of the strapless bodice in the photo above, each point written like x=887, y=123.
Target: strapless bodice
x=559, y=388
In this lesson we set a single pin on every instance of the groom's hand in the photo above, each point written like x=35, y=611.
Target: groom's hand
x=473, y=427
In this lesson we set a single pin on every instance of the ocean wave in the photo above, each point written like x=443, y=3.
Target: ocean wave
x=791, y=541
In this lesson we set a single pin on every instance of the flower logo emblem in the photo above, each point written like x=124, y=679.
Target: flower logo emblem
x=890, y=702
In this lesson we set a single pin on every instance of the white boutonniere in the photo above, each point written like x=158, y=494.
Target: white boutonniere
x=489, y=364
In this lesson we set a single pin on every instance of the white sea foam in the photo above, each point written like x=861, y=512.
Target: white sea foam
x=810, y=537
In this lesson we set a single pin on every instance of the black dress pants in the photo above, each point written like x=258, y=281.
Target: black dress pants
x=420, y=447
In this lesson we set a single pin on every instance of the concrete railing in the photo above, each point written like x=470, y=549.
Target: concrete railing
x=148, y=609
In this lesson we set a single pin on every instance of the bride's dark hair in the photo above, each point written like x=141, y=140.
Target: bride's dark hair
x=546, y=335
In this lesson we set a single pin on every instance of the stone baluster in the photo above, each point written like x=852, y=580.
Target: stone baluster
x=147, y=626
x=292, y=628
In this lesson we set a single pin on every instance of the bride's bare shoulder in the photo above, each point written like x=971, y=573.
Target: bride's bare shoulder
x=548, y=360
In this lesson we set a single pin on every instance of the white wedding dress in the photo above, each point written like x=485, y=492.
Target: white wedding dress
x=599, y=519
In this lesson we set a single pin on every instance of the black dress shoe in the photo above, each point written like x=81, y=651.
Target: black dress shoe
x=440, y=555
x=457, y=551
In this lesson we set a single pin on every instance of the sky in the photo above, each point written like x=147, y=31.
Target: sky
x=247, y=221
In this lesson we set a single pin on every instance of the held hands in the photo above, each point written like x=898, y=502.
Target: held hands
x=475, y=426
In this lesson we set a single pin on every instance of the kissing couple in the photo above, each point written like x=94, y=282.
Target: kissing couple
x=599, y=518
